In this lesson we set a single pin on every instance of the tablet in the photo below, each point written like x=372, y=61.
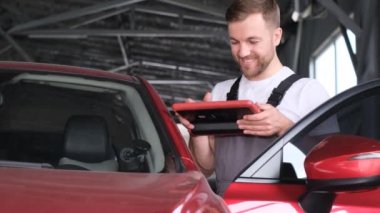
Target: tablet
x=215, y=117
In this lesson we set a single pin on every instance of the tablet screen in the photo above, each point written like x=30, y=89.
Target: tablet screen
x=216, y=117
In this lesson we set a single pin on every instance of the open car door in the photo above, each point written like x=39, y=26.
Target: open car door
x=277, y=181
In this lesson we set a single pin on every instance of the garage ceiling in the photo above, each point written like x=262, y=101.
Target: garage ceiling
x=180, y=46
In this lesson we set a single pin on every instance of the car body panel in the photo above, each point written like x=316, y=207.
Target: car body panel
x=359, y=201
x=56, y=68
x=172, y=129
x=262, y=197
x=46, y=190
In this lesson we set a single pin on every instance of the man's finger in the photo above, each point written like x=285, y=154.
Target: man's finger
x=265, y=106
x=207, y=97
x=186, y=123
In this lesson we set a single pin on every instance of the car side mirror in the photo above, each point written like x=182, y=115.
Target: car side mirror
x=340, y=163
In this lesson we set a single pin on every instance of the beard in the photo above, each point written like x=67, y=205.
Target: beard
x=255, y=66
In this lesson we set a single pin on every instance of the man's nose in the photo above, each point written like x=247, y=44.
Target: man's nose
x=244, y=51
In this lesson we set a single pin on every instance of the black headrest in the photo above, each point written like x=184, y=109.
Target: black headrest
x=86, y=139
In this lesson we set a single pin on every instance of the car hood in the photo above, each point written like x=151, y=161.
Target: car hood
x=48, y=190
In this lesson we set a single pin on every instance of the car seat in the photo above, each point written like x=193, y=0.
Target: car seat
x=87, y=146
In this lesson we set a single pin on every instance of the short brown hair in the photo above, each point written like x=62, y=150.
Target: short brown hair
x=240, y=9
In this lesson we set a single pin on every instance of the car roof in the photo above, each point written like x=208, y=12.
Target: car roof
x=56, y=68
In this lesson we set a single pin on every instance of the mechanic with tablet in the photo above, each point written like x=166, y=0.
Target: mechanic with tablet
x=283, y=98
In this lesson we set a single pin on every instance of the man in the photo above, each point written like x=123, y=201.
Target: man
x=254, y=31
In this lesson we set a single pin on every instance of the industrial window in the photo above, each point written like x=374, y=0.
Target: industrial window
x=331, y=64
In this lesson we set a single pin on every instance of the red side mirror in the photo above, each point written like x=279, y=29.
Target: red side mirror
x=343, y=157
x=339, y=163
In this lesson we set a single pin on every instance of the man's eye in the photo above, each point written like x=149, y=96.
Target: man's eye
x=253, y=41
x=233, y=42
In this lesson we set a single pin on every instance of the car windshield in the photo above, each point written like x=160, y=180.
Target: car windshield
x=72, y=122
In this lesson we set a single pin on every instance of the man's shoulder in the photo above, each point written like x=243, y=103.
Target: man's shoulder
x=302, y=82
x=306, y=82
x=221, y=89
x=225, y=84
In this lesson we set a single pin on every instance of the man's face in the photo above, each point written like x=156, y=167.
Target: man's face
x=253, y=44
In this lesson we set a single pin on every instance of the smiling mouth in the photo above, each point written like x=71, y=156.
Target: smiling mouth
x=247, y=62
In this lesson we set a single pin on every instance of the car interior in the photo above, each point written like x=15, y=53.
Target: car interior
x=92, y=124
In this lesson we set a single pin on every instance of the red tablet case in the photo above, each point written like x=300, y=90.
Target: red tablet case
x=215, y=117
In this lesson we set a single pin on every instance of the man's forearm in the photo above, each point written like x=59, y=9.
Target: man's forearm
x=202, y=150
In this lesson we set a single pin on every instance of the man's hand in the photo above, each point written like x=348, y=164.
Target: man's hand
x=185, y=122
x=268, y=122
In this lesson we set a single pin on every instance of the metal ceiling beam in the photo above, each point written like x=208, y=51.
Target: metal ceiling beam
x=124, y=67
x=14, y=44
x=17, y=15
x=182, y=68
x=343, y=18
x=74, y=14
x=5, y=49
x=203, y=18
x=196, y=6
x=96, y=17
x=84, y=33
x=123, y=51
x=351, y=52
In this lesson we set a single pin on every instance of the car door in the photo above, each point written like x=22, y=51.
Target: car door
x=276, y=180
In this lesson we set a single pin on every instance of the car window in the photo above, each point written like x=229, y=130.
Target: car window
x=71, y=122
x=360, y=116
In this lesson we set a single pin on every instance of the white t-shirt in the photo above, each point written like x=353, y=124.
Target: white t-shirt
x=233, y=153
x=302, y=97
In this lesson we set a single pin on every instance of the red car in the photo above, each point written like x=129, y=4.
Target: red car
x=81, y=140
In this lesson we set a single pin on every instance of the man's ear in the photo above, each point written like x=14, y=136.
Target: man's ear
x=277, y=35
